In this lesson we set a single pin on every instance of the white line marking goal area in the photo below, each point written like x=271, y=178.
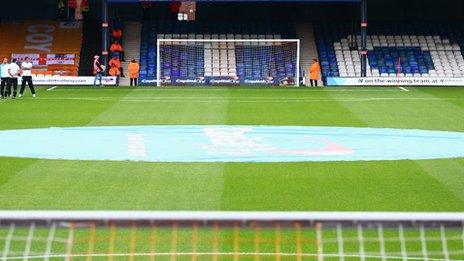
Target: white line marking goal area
x=52, y=88
x=36, y=235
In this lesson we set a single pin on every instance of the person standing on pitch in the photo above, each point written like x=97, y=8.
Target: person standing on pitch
x=98, y=69
x=13, y=73
x=314, y=72
x=134, y=70
x=5, y=76
x=26, y=68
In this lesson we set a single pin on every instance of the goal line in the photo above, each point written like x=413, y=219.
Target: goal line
x=53, y=235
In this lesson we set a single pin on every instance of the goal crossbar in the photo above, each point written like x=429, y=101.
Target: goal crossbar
x=235, y=216
x=228, y=40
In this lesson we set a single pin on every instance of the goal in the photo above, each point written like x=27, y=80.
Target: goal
x=228, y=62
x=127, y=235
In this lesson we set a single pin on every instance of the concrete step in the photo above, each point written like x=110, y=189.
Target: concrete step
x=308, y=49
x=124, y=81
x=132, y=40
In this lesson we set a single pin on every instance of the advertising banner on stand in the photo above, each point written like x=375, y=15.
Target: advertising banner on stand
x=71, y=80
x=393, y=81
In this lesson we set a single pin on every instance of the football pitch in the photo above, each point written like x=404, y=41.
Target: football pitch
x=403, y=185
x=390, y=185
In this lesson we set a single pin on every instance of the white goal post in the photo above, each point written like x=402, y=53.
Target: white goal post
x=321, y=216
x=228, y=61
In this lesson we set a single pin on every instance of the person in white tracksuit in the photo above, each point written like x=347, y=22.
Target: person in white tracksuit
x=26, y=68
x=13, y=73
x=4, y=78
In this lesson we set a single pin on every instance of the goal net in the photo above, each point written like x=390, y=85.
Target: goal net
x=230, y=236
x=228, y=61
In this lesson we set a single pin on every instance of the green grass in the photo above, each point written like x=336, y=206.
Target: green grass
x=426, y=185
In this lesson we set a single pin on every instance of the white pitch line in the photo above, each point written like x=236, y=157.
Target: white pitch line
x=404, y=89
x=232, y=100
x=52, y=88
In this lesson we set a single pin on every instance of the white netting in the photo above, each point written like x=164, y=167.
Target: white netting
x=222, y=61
x=229, y=236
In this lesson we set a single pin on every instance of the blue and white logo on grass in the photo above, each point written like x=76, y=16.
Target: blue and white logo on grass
x=198, y=143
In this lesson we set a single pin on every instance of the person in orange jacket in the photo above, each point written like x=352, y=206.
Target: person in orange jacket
x=117, y=33
x=314, y=72
x=116, y=47
x=134, y=70
x=117, y=63
x=114, y=71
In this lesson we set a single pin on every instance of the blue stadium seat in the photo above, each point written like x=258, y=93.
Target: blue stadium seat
x=274, y=60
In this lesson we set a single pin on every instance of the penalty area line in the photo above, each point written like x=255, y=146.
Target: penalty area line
x=52, y=88
x=403, y=89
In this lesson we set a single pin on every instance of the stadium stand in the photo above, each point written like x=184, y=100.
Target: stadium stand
x=234, y=58
x=53, y=46
x=422, y=49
